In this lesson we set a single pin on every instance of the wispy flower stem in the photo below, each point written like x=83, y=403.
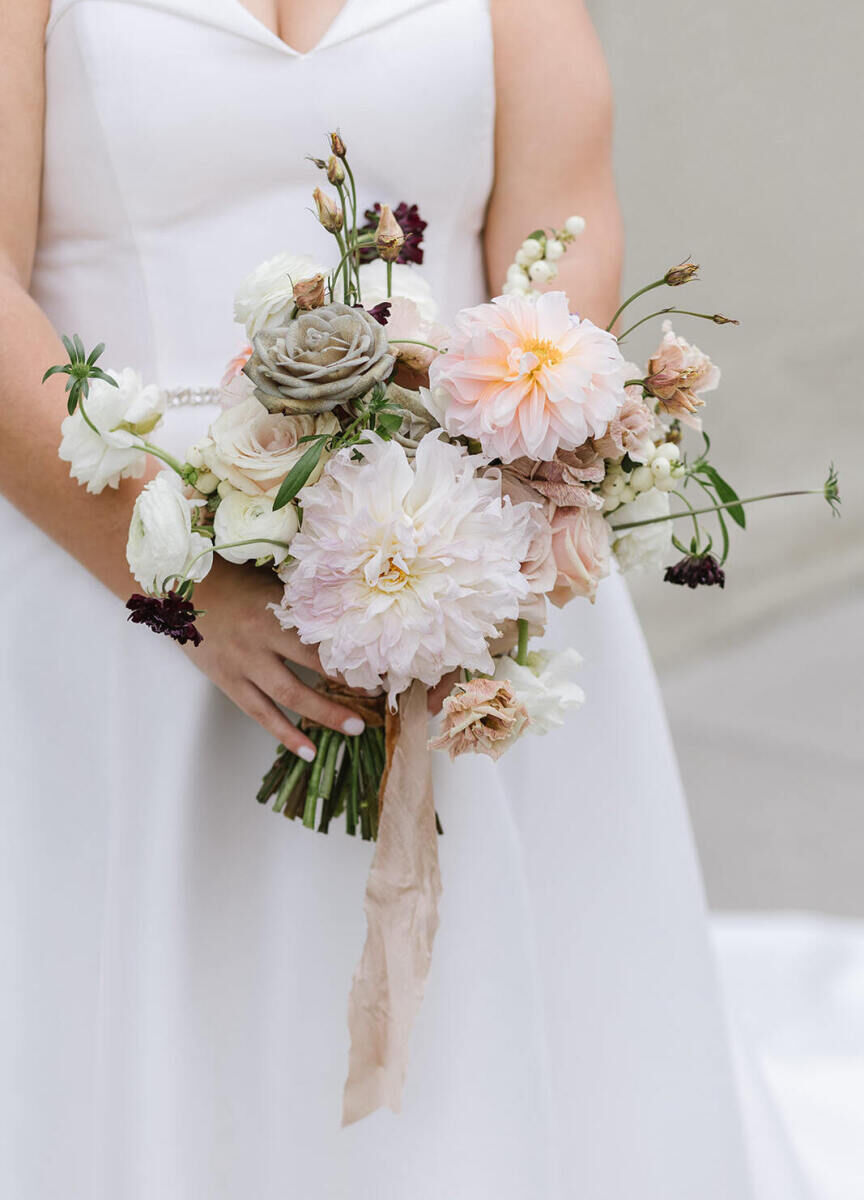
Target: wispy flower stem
x=698, y=512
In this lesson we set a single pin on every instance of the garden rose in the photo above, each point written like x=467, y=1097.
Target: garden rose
x=319, y=360
x=631, y=432
x=240, y=517
x=265, y=298
x=254, y=449
x=580, y=544
x=162, y=543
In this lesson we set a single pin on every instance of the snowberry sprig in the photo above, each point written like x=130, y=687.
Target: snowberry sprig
x=536, y=260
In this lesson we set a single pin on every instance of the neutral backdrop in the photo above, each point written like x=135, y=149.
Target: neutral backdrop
x=739, y=144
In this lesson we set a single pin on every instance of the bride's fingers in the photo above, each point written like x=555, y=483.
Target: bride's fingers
x=287, y=644
x=262, y=709
x=286, y=689
x=437, y=695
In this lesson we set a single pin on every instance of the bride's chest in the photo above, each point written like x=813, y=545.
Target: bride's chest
x=184, y=106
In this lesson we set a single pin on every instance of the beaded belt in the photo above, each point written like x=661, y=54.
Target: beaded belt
x=181, y=397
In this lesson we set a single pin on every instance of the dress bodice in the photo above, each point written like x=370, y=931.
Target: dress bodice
x=176, y=137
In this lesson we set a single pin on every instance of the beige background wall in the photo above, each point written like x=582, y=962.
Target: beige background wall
x=740, y=143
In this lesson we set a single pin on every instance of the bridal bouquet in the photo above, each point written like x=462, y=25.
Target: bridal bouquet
x=423, y=493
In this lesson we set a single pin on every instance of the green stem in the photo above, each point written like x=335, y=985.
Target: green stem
x=428, y=345
x=389, y=279
x=84, y=415
x=696, y=528
x=522, y=648
x=225, y=546
x=314, y=779
x=649, y=287
x=662, y=312
x=365, y=240
x=698, y=512
x=173, y=463
x=292, y=778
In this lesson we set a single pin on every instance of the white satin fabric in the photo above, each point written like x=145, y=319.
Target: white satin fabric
x=177, y=961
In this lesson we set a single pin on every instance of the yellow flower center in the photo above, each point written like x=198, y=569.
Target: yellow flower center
x=393, y=578
x=548, y=354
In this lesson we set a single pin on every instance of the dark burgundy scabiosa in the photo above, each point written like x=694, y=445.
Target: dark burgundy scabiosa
x=410, y=222
x=696, y=570
x=171, y=614
x=381, y=312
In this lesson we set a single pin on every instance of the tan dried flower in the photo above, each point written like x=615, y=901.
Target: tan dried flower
x=389, y=238
x=335, y=171
x=482, y=716
x=337, y=145
x=329, y=212
x=683, y=273
x=309, y=293
x=320, y=359
x=678, y=373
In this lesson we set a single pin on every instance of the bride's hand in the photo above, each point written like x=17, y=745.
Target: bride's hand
x=244, y=652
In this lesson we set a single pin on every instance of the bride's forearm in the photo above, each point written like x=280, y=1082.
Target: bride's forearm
x=91, y=528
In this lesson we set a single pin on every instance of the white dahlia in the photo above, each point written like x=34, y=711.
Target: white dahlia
x=403, y=570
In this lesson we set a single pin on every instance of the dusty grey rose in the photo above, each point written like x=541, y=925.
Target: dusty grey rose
x=320, y=359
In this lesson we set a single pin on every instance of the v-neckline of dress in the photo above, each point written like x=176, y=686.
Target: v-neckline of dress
x=270, y=35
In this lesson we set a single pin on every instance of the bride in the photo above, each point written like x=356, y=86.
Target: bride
x=176, y=964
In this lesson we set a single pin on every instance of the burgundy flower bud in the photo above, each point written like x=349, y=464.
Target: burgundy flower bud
x=696, y=570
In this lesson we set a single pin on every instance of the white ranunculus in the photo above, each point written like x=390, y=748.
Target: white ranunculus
x=408, y=281
x=403, y=570
x=122, y=415
x=162, y=543
x=544, y=686
x=646, y=546
x=264, y=298
x=240, y=517
x=255, y=449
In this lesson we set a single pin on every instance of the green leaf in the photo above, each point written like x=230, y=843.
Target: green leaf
x=299, y=473
x=95, y=353
x=70, y=349
x=98, y=373
x=72, y=402
x=80, y=352
x=388, y=423
x=55, y=371
x=726, y=493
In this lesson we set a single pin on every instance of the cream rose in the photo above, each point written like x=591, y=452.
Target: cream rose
x=580, y=544
x=162, y=543
x=254, y=449
x=265, y=298
x=240, y=517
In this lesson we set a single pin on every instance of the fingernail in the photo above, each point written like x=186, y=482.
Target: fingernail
x=307, y=753
x=353, y=726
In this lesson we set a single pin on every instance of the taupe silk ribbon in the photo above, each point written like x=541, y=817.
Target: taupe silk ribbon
x=402, y=894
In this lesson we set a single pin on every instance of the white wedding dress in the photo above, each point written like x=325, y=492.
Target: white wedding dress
x=177, y=960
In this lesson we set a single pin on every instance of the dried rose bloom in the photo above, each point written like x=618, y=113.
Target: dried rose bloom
x=337, y=145
x=309, y=293
x=335, y=170
x=319, y=360
x=412, y=226
x=389, y=237
x=329, y=212
x=482, y=716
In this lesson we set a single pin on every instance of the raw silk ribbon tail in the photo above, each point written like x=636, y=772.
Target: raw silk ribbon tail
x=402, y=894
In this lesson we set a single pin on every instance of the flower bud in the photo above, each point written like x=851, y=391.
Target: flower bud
x=683, y=273
x=309, y=293
x=337, y=145
x=574, y=226
x=721, y=320
x=318, y=162
x=329, y=212
x=389, y=237
x=335, y=170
